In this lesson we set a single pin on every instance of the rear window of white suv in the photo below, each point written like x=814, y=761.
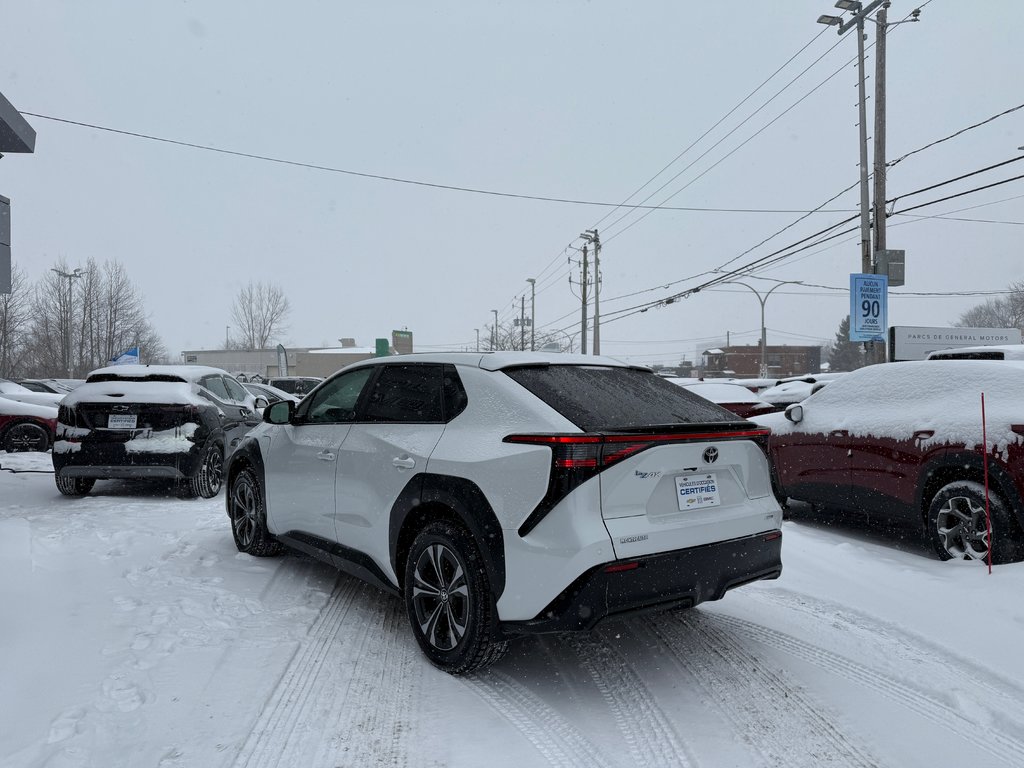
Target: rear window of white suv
x=598, y=398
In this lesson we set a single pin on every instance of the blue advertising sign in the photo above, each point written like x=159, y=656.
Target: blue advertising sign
x=869, y=307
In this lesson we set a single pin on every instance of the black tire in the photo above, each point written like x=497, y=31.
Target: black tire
x=26, y=436
x=449, y=602
x=209, y=479
x=957, y=526
x=74, y=486
x=248, y=517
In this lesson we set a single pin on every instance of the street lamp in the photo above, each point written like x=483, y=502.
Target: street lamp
x=533, y=312
x=477, y=339
x=764, y=300
x=78, y=272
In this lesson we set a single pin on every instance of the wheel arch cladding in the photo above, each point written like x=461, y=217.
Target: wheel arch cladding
x=247, y=455
x=966, y=465
x=429, y=497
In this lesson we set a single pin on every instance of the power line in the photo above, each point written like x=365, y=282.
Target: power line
x=789, y=251
x=401, y=180
x=954, y=135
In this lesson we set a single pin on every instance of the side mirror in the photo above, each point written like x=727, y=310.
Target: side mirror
x=279, y=413
x=795, y=413
x=261, y=403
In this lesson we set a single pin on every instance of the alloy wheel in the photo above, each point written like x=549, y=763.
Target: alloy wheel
x=244, y=513
x=963, y=529
x=440, y=597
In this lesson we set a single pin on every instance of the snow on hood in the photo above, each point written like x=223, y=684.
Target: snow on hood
x=894, y=400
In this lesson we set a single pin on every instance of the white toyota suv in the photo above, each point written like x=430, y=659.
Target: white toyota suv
x=508, y=493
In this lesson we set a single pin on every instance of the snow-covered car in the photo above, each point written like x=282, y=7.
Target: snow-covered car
x=503, y=494
x=53, y=386
x=12, y=391
x=733, y=397
x=269, y=394
x=294, y=385
x=789, y=391
x=177, y=422
x=906, y=439
x=26, y=427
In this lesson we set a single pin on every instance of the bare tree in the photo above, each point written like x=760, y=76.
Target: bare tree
x=14, y=324
x=98, y=316
x=1003, y=312
x=259, y=314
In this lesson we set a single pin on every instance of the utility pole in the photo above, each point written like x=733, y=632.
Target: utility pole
x=477, y=339
x=227, y=336
x=522, y=323
x=78, y=272
x=533, y=313
x=860, y=12
x=494, y=331
x=583, y=296
x=591, y=236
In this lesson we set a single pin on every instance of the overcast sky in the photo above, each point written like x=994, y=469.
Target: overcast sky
x=576, y=100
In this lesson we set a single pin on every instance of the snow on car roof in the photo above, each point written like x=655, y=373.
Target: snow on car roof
x=896, y=399
x=128, y=391
x=12, y=388
x=184, y=372
x=722, y=392
x=10, y=407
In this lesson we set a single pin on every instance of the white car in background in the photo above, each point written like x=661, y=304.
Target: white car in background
x=994, y=352
x=13, y=391
x=505, y=494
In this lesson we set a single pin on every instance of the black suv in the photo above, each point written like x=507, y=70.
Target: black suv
x=151, y=421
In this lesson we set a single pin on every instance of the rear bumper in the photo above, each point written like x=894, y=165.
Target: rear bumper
x=111, y=462
x=683, y=578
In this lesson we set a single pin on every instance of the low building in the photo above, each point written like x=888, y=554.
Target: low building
x=745, y=361
x=302, y=361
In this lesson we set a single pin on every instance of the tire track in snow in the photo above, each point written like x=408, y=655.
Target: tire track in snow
x=647, y=730
x=771, y=716
x=387, y=672
x=916, y=648
x=558, y=741
x=322, y=703
x=998, y=744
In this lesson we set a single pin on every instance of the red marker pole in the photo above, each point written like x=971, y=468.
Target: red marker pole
x=988, y=517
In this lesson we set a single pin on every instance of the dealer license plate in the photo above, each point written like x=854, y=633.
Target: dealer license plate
x=697, y=491
x=122, y=421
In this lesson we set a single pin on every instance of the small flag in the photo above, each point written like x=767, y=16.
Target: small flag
x=129, y=357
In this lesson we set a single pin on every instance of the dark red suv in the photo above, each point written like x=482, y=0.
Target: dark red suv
x=905, y=439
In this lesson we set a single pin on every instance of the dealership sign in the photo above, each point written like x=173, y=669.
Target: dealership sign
x=913, y=343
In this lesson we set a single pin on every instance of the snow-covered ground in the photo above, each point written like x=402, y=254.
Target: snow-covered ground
x=134, y=634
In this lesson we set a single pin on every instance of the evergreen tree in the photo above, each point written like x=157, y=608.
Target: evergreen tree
x=845, y=355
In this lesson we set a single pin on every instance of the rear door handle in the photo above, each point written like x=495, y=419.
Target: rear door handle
x=325, y=456
x=839, y=433
x=404, y=463
x=923, y=434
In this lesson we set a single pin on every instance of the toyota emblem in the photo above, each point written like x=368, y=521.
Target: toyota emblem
x=710, y=455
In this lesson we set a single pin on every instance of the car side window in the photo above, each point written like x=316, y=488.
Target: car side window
x=407, y=393
x=216, y=386
x=235, y=390
x=336, y=401
x=454, y=393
